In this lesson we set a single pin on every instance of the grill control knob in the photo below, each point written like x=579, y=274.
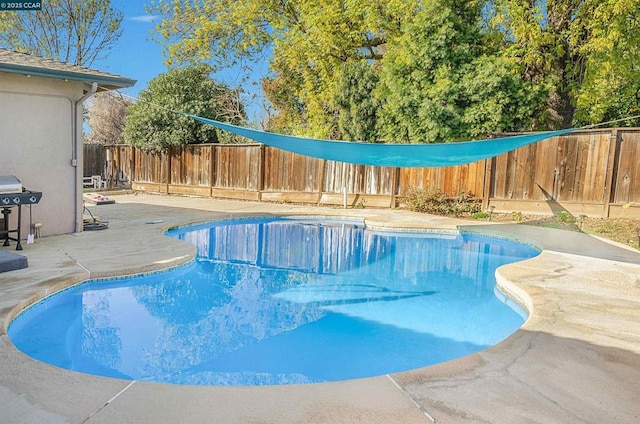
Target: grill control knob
x=32, y=199
x=5, y=200
x=16, y=200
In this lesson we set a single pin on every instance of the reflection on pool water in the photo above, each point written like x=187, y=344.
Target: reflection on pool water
x=282, y=301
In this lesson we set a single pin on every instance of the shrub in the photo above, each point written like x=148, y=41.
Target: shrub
x=154, y=125
x=565, y=217
x=465, y=204
x=438, y=203
x=480, y=215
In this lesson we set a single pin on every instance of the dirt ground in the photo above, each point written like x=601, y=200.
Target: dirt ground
x=621, y=230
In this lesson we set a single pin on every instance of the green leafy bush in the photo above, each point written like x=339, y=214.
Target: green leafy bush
x=565, y=217
x=480, y=215
x=154, y=123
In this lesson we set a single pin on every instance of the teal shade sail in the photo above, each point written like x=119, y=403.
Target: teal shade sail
x=386, y=154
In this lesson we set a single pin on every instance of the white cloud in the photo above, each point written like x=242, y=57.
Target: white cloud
x=144, y=18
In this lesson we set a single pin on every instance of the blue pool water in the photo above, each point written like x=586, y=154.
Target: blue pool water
x=282, y=301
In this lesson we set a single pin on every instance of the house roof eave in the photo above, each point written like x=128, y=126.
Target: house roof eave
x=104, y=81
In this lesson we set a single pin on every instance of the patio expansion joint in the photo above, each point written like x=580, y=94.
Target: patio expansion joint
x=531, y=388
x=412, y=399
x=64, y=252
x=108, y=402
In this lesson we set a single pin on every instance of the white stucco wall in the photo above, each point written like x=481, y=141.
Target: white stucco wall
x=36, y=145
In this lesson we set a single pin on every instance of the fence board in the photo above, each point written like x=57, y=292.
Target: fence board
x=191, y=165
x=545, y=172
x=451, y=180
x=236, y=166
x=123, y=164
x=150, y=167
x=628, y=177
x=595, y=165
x=95, y=158
x=286, y=171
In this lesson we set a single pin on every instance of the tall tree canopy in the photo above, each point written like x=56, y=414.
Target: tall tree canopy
x=153, y=123
x=444, y=79
x=582, y=48
x=420, y=70
x=356, y=101
x=308, y=40
x=106, y=116
x=610, y=87
x=72, y=31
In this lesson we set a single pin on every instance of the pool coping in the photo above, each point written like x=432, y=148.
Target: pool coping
x=509, y=371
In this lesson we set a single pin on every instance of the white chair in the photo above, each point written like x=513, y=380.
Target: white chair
x=87, y=182
x=98, y=182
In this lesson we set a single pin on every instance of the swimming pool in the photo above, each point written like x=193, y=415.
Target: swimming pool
x=282, y=301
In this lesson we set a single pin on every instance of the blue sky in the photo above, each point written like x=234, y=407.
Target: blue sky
x=137, y=56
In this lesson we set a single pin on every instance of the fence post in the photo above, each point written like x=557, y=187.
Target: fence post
x=212, y=151
x=323, y=163
x=216, y=167
x=110, y=165
x=612, y=171
x=169, y=150
x=488, y=183
x=261, y=168
x=117, y=164
x=394, y=187
x=134, y=172
x=344, y=184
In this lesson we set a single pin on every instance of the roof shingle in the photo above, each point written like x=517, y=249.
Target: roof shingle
x=23, y=63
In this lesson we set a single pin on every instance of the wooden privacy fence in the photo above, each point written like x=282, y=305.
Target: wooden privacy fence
x=95, y=158
x=594, y=172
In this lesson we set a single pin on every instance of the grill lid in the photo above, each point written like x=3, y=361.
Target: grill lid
x=10, y=184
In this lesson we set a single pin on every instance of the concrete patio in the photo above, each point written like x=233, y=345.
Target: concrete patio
x=575, y=360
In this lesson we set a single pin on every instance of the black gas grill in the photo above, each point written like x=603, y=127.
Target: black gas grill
x=12, y=194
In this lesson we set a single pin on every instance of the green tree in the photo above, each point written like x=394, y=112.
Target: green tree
x=543, y=37
x=442, y=69
x=495, y=98
x=443, y=79
x=611, y=86
x=71, y=31
x=154, y=125
x=585, y=49
x=308, y=41
x=357, y=105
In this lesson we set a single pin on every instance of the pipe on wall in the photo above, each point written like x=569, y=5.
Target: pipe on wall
x=76, y=152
